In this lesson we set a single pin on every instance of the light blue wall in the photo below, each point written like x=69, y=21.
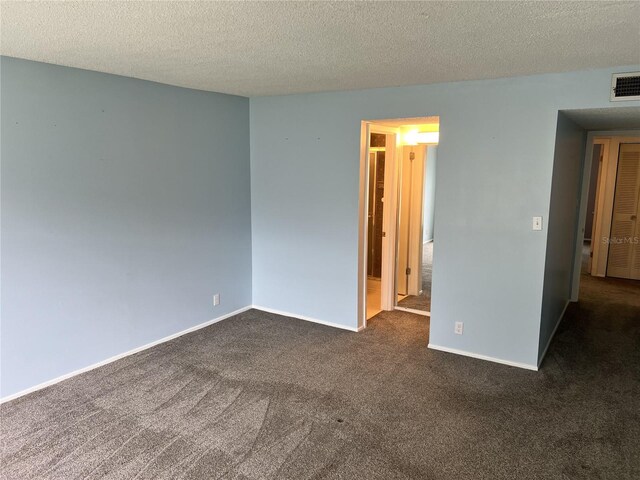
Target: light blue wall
x=495, y=164
x=429, y=193
x=562, y=225
x=125, y=206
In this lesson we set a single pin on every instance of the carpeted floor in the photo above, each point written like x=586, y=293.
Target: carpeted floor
x=423, y=301
x=261, y=396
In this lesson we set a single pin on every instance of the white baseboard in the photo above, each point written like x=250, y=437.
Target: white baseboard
x=307, y=319
x=553, y=334
x=120, y=355
x=413, y=310
x=483, y=357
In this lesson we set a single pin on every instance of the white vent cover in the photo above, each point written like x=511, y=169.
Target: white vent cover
x=625, y=86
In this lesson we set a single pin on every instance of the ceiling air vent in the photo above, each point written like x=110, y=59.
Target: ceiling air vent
x=625, y=86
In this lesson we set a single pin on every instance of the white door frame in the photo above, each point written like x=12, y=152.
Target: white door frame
x=604, y=202
x=387, y=286
x=598, y=207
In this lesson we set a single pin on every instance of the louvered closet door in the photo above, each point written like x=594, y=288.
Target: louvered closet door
x=624, y=249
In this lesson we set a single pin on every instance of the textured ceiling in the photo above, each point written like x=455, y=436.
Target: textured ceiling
x=265, y=48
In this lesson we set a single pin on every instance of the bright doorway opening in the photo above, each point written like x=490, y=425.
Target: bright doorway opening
x=397, y=209
x=611, y=246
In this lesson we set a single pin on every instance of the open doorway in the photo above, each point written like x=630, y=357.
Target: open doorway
x=611, y=245
x=416, y=210
x=575, y=282
x=604, y=282
x=597, y=157
x=375, y=220
x=397, y=195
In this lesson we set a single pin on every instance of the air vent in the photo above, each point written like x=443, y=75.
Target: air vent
x=625, y=86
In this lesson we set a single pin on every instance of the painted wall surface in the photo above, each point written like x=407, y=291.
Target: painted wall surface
x=593, y=187
x=125, y=206
x=562, y=225
x=495, y=165
x=429, y=193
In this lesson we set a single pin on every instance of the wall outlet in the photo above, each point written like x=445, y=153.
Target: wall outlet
x=537, y=223
x=458, y=328
x=216, y=299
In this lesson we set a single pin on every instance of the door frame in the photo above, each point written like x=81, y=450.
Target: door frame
x=387, y=287
x=599, y=198
x=604, y=201
x=602, y=220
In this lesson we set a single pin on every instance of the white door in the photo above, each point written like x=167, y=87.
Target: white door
x=409, y=264
x=624, y=241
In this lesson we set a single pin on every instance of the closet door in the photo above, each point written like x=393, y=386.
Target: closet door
x=624, y=248
x=635, y=257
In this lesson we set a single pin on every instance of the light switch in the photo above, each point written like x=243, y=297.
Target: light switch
x=537, y=223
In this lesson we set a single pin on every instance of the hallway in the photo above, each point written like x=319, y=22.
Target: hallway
x=601, y=332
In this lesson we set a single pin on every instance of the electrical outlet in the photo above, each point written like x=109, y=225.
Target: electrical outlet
x=537, y=223
x=458, y=328
x=216, y=300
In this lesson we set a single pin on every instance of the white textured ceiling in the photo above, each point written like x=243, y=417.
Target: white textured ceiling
x=265, y=48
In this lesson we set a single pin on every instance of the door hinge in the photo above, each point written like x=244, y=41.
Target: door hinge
x=384, y=234
x=408, y=272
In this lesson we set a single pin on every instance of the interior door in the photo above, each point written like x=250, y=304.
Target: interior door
x=409, y=263
x=624, y=248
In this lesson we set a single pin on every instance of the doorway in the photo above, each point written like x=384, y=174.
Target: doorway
x=610, y=244
x=375, y=221
x=590, y=237
x=415, y=239
x=397, y=195
x=624, y=248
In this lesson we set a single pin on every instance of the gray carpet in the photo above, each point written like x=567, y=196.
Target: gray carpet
x=261, y=396
x=422, y=301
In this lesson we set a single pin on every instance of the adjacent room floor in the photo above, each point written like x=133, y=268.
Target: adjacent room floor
x=373, y=297
x=262, y=396
x=422, y=301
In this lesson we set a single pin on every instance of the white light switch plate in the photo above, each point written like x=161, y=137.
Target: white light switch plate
x=537, y=223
